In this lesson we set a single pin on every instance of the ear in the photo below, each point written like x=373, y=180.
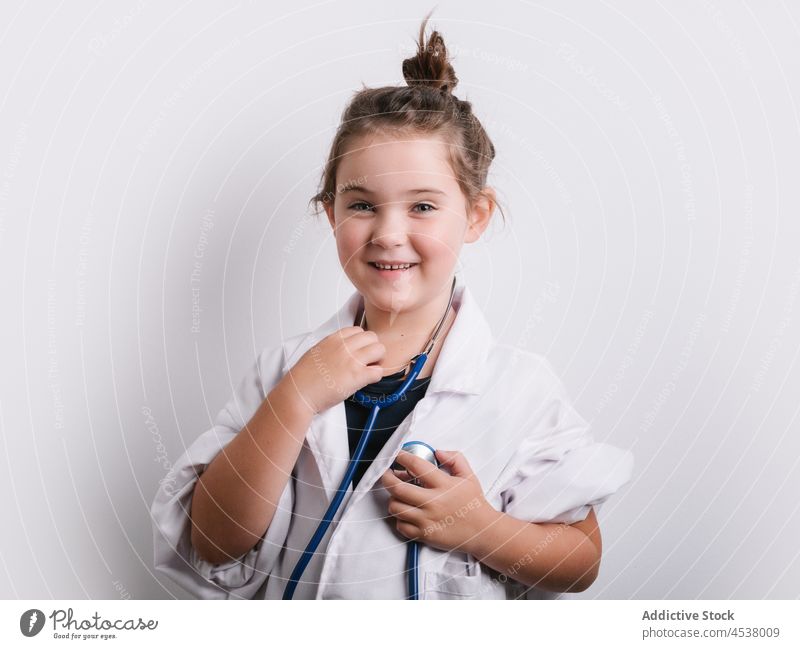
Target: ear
x=480, y=214
x=329, y=211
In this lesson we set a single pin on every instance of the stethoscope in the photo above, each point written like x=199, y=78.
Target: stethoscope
x=417, y=448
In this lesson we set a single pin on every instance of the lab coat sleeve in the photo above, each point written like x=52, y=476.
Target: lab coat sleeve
x=559, y=472
x=175, y=555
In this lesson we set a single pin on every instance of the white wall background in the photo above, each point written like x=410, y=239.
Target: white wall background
x=648, y=158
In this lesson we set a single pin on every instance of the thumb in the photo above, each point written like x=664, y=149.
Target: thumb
x=455, y=462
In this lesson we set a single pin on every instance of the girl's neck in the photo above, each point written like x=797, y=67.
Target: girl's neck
x=406, y=333
x=400, y=325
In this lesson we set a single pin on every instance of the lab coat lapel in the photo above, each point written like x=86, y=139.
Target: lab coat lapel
x=464, y=351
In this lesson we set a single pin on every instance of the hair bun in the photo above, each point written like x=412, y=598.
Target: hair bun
x=430, y=67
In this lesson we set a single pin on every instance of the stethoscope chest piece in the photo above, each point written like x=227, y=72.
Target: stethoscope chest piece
x=421, y=450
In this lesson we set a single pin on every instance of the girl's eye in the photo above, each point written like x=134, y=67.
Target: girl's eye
x=355, y=205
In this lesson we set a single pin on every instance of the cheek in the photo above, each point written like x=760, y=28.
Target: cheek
x=348, y=244
x=440, y=247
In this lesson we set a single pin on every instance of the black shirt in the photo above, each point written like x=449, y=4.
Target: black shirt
x=388, y=419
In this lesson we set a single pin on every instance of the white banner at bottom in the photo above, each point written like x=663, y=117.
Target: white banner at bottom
x=590, y=623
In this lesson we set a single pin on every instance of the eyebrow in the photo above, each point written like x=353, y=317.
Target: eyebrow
x=423, y=190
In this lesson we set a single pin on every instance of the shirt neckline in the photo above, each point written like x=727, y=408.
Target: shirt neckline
x=389, y=384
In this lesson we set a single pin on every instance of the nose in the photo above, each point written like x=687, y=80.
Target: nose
x=390, y=228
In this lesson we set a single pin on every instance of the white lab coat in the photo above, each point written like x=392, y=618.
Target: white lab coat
x=502, y=407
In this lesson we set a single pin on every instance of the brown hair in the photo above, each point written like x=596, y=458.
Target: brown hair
x=425, y=105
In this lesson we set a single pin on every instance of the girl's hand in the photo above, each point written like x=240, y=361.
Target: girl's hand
x=336, y=367
x=447, y=511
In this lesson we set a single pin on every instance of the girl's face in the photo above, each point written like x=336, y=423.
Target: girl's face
x=396, y=201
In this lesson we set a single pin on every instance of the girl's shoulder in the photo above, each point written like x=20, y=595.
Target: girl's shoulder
x=526, y=369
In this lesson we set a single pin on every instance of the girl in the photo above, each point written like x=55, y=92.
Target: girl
x=509, y=513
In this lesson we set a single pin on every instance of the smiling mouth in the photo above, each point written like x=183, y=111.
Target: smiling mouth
x=389, y=273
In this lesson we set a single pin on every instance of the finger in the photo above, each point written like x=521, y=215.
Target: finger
x=365, y=338
x=404, y=475
x=404, y=512
x=409, y=530
x=424, y=471
x=455, y=462
x=409, y=493
x=370, y=353
x=347, y=332
x=389, y=480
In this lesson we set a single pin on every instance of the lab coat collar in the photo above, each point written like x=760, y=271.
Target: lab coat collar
x=463, y=353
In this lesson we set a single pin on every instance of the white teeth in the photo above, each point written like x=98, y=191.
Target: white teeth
x=382, y=267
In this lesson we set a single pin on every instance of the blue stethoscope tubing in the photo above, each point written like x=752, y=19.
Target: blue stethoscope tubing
x=413, y=550
x=412, y=568
x=377, y=403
